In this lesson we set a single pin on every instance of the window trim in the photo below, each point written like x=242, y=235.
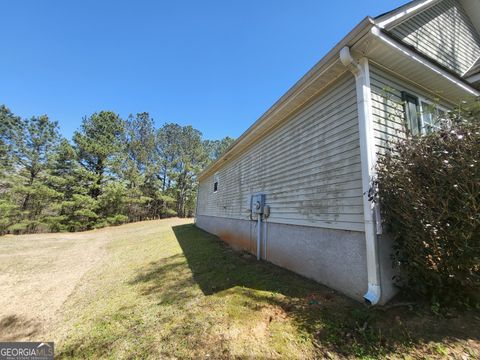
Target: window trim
x=215, y=183
x=410, y=98
x=437, y=108
x=419, y=101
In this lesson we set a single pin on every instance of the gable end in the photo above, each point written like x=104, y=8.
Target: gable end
x=444, y=33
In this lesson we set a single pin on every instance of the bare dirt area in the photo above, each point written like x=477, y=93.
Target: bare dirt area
x=38, y=272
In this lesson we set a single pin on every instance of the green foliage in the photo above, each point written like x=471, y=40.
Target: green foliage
x=117, y=219
x=98, y=146
x=115, y=171
x=9, y=213
x=10, y=127
x=429, y=187
x=191, y=159
x=216, y=148
x=168, y=150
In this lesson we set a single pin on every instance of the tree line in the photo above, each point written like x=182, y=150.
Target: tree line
x=112, y=171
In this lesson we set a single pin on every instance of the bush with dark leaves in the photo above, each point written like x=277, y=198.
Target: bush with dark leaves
x=429, y=188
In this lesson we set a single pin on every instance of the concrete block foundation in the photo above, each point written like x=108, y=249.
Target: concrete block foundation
x=335, y=258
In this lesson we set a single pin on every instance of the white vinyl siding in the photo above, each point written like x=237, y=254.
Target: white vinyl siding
x=309, y=168
x=444, y=33
x=387, y=106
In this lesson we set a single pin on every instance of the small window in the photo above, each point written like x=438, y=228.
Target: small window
x=412, y=118
x=215, y=183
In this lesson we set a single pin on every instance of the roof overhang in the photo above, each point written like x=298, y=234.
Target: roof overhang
x=411, y=65
x=394, y=17
x=404, y=12
x=365, y=40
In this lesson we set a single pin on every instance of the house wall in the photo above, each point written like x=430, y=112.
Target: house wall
x=387, y=106
x=332, y=253
x=443, y=32
x=309, y=168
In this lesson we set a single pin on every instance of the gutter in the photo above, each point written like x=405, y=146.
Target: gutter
x=368, y=156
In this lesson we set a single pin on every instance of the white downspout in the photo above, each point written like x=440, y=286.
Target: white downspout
x=259, y=237
x=368, y=160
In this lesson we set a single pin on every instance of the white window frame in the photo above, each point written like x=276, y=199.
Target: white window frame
x=422, y=101
x=422, y=126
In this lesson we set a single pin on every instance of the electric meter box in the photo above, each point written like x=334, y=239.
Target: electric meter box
x=257, y=203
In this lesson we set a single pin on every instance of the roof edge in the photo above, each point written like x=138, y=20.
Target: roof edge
x=361, y=29
x=400, y=14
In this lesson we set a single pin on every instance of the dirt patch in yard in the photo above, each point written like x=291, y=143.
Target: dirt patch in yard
x=167, y=290
x=38, y=273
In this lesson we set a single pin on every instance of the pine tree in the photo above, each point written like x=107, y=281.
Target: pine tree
x=99, y=145
x=32, y=155
x=192, y=159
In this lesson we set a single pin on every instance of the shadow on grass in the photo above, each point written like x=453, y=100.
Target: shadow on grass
x=14, y=328
x=336, y=323
x=176, y=320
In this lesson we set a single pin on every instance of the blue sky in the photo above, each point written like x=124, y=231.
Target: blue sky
x=217, y=65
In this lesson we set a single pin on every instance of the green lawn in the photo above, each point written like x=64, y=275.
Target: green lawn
x=168, y=291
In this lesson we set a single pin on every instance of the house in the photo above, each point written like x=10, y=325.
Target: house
x=293, y=189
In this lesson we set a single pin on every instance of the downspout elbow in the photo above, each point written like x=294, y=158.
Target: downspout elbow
x=373, y=295
x=348, y=61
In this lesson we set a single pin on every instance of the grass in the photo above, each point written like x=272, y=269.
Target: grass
x=168, y=291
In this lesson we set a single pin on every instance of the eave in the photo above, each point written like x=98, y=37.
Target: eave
x=414, y=67
x=400, y=14
x=367, y=39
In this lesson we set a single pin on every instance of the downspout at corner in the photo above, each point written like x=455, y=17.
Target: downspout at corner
x=361, y=72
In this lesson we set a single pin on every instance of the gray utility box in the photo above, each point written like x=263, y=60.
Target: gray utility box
x=257, y=203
